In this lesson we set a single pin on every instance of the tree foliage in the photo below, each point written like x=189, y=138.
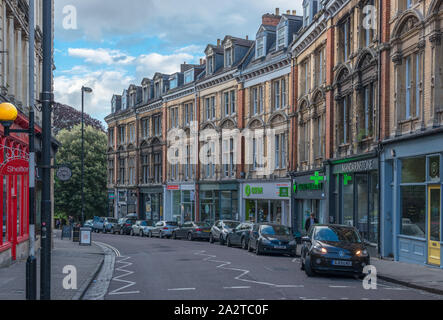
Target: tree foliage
x=68, y=194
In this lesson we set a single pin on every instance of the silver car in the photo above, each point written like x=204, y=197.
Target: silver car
x=139, y=226
x=163, y=229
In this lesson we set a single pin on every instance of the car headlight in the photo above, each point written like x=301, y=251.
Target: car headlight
x=319, y=250
x=361, y=253
x=265, y=241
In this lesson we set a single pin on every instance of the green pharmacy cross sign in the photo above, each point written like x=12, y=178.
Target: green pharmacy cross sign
x=317, y=178
x=347, y=178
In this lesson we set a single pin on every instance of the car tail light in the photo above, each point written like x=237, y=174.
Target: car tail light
x=127, y=225
x=198, y=230
x=165, y=228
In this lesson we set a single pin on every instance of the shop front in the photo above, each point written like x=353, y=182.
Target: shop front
x=180, y=201
x=412, y=193
x=151, y=204
x=219, y=202
x=354, y=196
x=267, y=202
x=309, y=197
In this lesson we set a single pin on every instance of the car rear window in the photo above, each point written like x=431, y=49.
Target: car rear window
x=172, y=223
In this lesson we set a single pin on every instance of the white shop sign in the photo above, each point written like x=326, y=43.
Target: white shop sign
x=271, y=191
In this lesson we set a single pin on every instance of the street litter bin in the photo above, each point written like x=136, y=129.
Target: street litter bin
x=85, y=236
x=76, y=234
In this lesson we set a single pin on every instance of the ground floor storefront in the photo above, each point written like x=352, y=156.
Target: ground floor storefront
x=218, y=201
x=180, y=202
x=353, y=191
x=411, y=203
x=308, y=198
x=263, y=201
x=151, y=203
x=126, y=203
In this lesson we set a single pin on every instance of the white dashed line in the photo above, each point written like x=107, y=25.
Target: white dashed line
x=245, y=287
x=182, y=289
x=290, y=286
x=339, y=287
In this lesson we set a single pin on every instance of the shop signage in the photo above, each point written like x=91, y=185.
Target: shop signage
x=173, y=187
x=267, y=191
x=17, y=167
x=309, y=186
x=64, y=173
x=111, y=196
x=357, y=166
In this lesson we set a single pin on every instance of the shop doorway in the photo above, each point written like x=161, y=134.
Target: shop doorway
x=434, y=214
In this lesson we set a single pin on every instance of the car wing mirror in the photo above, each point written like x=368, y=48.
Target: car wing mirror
x=306, y=239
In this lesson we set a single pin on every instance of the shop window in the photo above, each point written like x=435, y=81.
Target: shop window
x=413, y=170
x=348, y=200
x=434, y=169
x=413, y=211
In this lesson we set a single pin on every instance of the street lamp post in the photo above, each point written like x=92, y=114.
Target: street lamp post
x=87, y=90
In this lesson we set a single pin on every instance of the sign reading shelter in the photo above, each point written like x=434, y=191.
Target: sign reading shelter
x=17, y=167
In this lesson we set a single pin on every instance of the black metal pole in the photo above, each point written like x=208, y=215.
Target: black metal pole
x=46, y=98
x=31, y=263
x=83, y=158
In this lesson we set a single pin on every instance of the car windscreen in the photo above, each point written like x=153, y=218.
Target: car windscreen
x=203, y=225
x=231, y=224
x=172, y=223
x=336, y=234
x=275, y=230
x=110, y=220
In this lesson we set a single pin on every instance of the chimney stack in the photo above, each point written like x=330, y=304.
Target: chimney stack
x=277, y=11
x=294, y=12
x=218, y=42
x=201, y=61
x=247, y=37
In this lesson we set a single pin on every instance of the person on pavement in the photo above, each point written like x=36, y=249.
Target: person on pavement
x=310, y=221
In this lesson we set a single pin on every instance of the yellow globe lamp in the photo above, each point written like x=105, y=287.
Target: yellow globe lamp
x=8, y=112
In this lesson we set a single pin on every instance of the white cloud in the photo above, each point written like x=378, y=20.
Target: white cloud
x=147, y=65
x=101, y=56
x=67, y=90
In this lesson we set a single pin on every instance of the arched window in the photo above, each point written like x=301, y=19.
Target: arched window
x=304, y=134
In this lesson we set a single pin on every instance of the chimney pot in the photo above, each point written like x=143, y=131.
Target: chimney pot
x=294, y=12
x=247, y=37
x=277, y=11
x=288, y=11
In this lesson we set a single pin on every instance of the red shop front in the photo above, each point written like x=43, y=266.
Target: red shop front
x=14, y=197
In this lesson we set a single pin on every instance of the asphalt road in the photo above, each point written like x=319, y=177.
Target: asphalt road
x=165, y=269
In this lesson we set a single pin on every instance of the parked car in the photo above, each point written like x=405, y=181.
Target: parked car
x=137, y=228
x=88, y=224
x=221, y=229
x=124, y=225
x=110, y=224
x=163, y=229
x=272, y=238
x=145, y=230
x=98, y=224
x=333, y=249
x=192, y=231
x=240, y=235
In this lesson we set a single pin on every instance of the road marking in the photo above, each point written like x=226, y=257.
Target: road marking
x=223, y=264
x=290, y=286
x=126, y=273
x=181, y=289
x=117, y=253
x=245, y=287
x=339, y=287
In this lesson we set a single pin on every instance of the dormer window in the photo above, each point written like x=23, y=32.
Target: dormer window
x=260, y=47
x=310, y=8
x=281, y=35
x=173, y=83
x=228, y=57
x=189, y=76
x=210, y=65
x=125, y=100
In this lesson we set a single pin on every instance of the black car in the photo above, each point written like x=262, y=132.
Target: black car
x=333, y=249
x=192, y=230
x=272, y=238
x=221, y=229
x=124, y=225
x=240, y=235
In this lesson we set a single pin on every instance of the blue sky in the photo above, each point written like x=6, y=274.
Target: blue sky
x=118, y=43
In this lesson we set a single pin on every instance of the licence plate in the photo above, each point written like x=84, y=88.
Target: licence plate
x=279, y=247
x=206, y=231
x=342, y=263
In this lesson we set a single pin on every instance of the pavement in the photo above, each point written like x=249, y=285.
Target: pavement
x=86, y=259
x=165, y=269
x=421, y=277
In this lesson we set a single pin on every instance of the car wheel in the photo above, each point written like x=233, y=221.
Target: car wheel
x=243, y=244
x=308, y=267
x=221, y=240
x=249, y=246
x=150, y=234
x=257, y=249
x=161, y=235
x=211, y=238
x=132, y=233
x=228, y=241
x=142, y=234
x=190, y=237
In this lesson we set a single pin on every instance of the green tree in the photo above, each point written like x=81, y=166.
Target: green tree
x=68, y=199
